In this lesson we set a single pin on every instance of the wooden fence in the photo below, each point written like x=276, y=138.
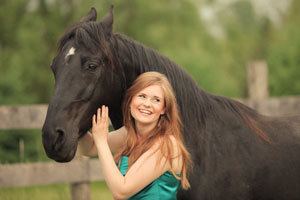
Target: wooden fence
x=80, y=172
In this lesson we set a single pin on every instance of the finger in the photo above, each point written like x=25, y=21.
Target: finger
x=103, y=114
x=94, y=120
x=98, y=115
x=107, y=117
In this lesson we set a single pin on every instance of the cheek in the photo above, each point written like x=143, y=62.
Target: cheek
x=159, y=109
x=133, y=109
x=134, y=103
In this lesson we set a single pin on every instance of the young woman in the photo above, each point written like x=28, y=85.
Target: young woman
x=149, y=149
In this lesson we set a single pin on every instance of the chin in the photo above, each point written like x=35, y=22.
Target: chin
x=147, y=122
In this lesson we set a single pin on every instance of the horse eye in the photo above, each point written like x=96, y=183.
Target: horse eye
x=92, y=66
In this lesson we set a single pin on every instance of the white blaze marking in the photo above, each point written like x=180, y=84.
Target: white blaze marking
x=71, y=52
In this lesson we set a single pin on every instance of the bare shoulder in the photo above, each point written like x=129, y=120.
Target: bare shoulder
x=116, y=139
x=160, y=150
x=121, y=131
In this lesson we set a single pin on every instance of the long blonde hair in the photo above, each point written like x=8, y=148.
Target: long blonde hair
x=168, y=124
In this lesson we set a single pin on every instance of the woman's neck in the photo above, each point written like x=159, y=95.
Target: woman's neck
x=144, y=129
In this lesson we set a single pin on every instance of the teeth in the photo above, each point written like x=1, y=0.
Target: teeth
x=145, y=111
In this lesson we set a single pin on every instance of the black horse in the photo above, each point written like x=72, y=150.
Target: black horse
x=237, y=153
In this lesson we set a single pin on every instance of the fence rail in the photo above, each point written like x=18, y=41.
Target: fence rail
x=22, y=117
x=44, y=173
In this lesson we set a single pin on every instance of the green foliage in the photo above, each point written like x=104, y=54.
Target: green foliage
x=99, y=190
x=11, y=146
x=49, y=192
x=284, y=55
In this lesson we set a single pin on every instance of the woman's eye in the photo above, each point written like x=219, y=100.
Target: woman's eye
x=141, y=96
x=155, y=100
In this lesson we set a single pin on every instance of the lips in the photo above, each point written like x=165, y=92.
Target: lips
x=146, y=112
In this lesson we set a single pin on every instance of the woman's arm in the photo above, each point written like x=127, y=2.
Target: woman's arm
x=140, y=174
x=116, y=140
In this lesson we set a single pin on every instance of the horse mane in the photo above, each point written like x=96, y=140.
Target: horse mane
x=144, y=59
x=123, y=53
x=186, y=89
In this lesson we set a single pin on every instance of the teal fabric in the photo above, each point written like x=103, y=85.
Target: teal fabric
x=164, y=187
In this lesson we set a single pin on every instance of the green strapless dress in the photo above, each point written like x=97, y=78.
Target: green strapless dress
x=163, y=188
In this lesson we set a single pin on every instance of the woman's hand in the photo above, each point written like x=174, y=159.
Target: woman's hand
x=100, y=125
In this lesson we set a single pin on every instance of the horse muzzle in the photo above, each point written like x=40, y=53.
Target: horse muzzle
x=58, y=145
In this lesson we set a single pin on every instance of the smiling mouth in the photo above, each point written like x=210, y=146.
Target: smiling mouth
x=145, y=112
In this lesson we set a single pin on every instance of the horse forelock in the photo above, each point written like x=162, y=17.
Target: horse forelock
x=91, y=36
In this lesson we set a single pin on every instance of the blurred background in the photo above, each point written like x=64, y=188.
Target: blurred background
x=213, y=40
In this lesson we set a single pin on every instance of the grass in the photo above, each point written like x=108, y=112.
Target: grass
x=99, y=191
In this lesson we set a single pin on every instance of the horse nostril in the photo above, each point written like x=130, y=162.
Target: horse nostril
x=60, y=139
x=60, y=132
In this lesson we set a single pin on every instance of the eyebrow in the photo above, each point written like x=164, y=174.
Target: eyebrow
x=152, y=96
x=158, y=97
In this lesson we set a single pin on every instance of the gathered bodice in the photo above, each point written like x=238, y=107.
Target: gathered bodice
x=163, y=188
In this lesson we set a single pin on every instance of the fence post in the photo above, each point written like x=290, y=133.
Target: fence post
x=257, y=79
x=21, y=150
x=81, y=190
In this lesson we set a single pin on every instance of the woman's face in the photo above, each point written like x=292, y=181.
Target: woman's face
x=147, y=105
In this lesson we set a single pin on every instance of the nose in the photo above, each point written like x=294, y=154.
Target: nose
x=53, y=139
x=146, y=102
x=56, y=144
x=60, y=140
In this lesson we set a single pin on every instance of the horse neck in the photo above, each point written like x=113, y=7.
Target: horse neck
x=134, y=58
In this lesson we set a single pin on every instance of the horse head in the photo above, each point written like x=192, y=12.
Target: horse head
x=86, y=77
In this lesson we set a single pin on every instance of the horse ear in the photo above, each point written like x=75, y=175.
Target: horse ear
x=91, y=16
x=107, y=21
